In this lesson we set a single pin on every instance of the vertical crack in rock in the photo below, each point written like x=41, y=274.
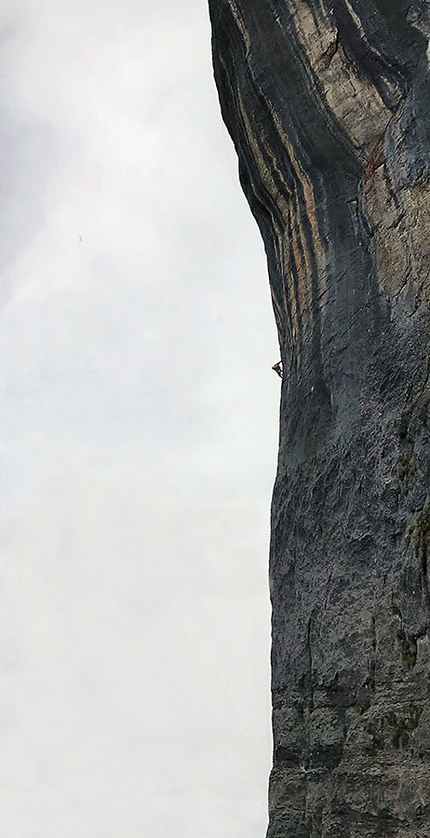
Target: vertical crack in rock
x=327, y=103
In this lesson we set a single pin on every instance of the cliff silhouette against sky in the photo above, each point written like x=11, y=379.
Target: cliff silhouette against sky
x=327, y=103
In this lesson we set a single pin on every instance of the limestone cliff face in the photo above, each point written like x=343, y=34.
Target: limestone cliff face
x=327, y=102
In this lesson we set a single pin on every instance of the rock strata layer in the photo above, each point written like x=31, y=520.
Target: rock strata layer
x=327, y=102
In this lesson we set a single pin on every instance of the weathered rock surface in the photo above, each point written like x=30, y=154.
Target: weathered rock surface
x=328, y=102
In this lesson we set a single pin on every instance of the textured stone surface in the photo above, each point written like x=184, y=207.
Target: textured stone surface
x=327, y=102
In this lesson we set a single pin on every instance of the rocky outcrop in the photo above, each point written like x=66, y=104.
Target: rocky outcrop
x=327, y=102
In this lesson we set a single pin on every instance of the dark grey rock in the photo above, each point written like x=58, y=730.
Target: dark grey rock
x=327, y=102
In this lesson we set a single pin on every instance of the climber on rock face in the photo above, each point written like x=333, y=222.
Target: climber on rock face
x=278, y=368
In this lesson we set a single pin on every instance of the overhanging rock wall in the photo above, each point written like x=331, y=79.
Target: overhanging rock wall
x=327, y=102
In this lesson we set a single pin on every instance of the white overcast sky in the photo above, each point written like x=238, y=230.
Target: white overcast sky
x=138, y=434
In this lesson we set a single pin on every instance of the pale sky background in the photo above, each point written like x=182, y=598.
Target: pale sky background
x=138, y=439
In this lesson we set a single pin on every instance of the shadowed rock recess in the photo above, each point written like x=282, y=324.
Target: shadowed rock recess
x=327, y=102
